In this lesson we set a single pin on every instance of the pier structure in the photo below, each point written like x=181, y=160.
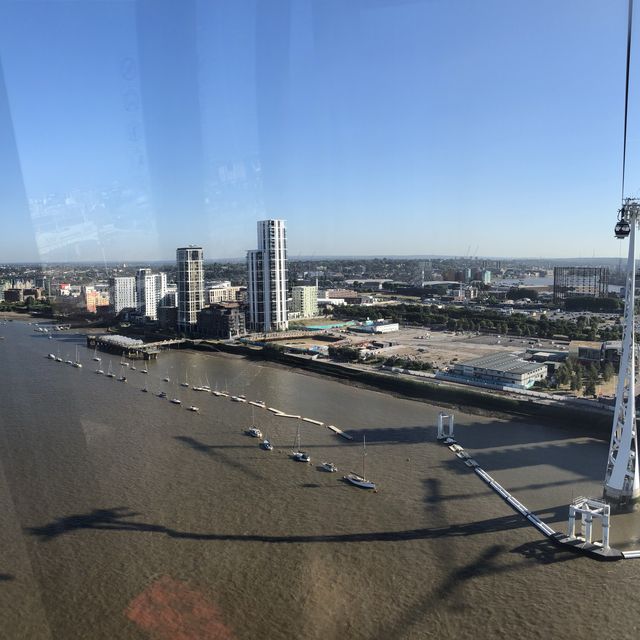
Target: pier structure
x=445, y=425
x=132, y=349
x=589, y=509
x=622, y=480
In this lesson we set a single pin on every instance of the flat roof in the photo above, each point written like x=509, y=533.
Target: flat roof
x=505, y=362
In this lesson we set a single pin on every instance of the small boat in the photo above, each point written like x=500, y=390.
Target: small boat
x=162, y=394
x=99, y=371
x=77, y=362
x=186, y=381
x=68, y=360
x=361, y=480
x=297, y=454
x=96, y=358
x=58, y=359
x=145, y=370
x=52, y=356
x=238, y=398
x=122, y=377
x=254, y=432
x=144, y=389
x=175, y=401
x=329, y=466
x=194, y=408
x=110, y=373
x=167, y=379
x=266, y=445
x=132, y=367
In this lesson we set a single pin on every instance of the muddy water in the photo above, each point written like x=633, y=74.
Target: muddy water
x=124, y=516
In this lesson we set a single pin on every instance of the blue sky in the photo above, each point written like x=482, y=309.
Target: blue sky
x=372, y=126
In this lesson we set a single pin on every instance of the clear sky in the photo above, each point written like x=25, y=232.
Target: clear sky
x=493, y=127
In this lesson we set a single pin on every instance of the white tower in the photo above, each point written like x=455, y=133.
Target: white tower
x=267, y=278
x=622, y=481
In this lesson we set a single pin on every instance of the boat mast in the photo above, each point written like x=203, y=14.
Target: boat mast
x=364, y=454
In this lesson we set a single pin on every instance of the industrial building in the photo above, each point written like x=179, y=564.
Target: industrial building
x=572, y=282
x=502, y=369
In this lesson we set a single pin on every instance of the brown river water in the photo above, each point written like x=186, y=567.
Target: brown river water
x=124, y=516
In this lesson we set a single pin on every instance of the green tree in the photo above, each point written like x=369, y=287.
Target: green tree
x=607, y=371
x=590, y=387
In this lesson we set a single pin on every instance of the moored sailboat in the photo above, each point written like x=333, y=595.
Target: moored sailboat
x=361, y=480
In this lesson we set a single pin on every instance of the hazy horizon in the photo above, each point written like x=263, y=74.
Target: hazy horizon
x=128, y=128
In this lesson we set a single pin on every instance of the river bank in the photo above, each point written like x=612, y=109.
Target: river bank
x=469, y=399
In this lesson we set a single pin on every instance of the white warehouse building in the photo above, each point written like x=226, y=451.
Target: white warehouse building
x=502, y=369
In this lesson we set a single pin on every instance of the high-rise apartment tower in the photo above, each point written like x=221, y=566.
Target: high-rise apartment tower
x=267, y=285
x=190, y=287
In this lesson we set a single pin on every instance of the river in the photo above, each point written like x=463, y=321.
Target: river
x=124, y=516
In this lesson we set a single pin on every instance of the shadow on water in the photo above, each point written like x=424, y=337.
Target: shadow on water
x=447, y=593
x=387, y=435
x=119, y=519
x=213, y=452
x=582, y=458
x=544, y=552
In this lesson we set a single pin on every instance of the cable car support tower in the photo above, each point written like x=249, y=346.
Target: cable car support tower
x=622, y=480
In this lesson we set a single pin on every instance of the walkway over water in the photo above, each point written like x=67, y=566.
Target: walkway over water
x=133, y=349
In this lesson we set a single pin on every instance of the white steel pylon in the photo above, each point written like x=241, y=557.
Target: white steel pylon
x=622, y=481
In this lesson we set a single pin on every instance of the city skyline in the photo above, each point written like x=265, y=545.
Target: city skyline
x=132, y=128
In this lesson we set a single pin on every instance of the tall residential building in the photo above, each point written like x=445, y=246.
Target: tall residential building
x=267, y=284
x=190, y=287
x=122, y=293
x=305, y=301
x=150, y=290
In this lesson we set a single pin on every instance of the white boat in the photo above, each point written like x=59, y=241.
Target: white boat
x=99, y=371
x=96, y=358
x=132, y=367
x=77, y=362
x=361, y=480
x=329, y=466
x=166, y=379
x=266, y=445
x=238, y=398
x=186, y=380
x=144, y=389
x=297, y=454
x=110, y=373
x=52, y=356
x=254, y=432
x=145, y=370
x=176, y=401
x=122, y=377
x=194, y=408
